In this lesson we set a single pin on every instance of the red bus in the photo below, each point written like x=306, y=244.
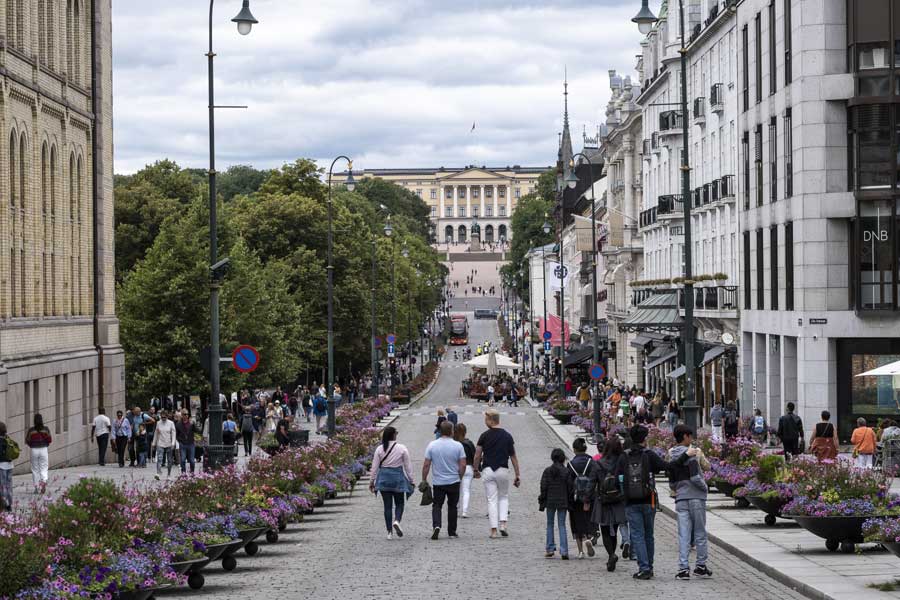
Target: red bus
x=459, y=330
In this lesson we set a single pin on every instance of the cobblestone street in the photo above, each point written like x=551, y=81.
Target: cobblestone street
x=341, y=552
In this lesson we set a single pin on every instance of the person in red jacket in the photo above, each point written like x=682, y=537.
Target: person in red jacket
x=38, y=438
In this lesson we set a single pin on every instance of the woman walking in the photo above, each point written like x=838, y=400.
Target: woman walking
x=824, y=443
x=609, y=503
x=581, y=473
x=391, y=475
x=459, y=434
x=121, y=434
x=271, y=418
x=441, y=417
x=38, y=438
x=674, y=413
x=556, y=492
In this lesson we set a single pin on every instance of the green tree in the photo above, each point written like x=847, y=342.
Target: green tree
x=301, y=176
x=527, y=232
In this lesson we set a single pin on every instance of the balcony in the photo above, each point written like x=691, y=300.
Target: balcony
x=717, y=98
x=670, y=122
x=647, y=217
x=654, y=141
x=585, y=270
x=670, y=206
x=713, y=13
x=718, y=302
x=699, y=111
x=714, y=190
x=726, y=187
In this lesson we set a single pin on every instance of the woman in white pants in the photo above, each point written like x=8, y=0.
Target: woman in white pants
x=459, y=434
x=38, y=438
x=493, y=453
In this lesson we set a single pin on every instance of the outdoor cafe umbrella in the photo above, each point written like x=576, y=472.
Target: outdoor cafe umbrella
x=501, y=362
x=888, y=369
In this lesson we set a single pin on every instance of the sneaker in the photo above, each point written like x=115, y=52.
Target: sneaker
x=702, y=571
x=580, y=555
x=436, y=533
x=453, y=535
x=683, y=575
x=397, y=529
x=504, y=532
x=626, y=550
x=565, y=557
x=390, y=536
x=464, y=515
x=643, y=575
x=589, y=547
x=549, y=554
x=611, y=563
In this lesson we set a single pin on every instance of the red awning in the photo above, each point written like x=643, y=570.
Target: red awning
x=553, y=326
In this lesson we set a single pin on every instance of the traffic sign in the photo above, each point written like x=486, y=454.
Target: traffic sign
x=547, y=346
x=391, y=338
x=547, y=335
x=245, y=358
x=390, y=351
x=561, y=271
x=597, y=372
x=377, y=341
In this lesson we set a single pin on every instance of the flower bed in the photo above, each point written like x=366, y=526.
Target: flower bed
x=99, y=540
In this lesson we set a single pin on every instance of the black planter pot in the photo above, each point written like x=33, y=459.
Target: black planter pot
x=320, y=501
x=563, y=417
x=216, y=550
x=726, y=488
x=250, y=534
x=331, y=495
x=772, y=507
x=892, y=547
x=193, y=565
x=841, y=532
x=135, y=594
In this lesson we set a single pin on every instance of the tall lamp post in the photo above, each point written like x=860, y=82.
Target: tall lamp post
x=376, y=379
x=388, y=231
x=245, y=22
x=562, y=287
x=546, y=228
x=405, y=253
x=350, y=183
x=645, y=20
x=572, y=181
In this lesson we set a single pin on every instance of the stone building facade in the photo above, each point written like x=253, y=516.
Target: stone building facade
x=59, y=341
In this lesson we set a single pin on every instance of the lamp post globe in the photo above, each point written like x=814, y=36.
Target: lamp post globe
x=245, y=19
x=571, y=180
x=388, y=229
x=546, y=228
x=350, y=183
x=645, y=19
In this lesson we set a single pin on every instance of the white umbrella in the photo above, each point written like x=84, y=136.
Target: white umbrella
x=503, y=362
x=492, y=364
x=888, y=369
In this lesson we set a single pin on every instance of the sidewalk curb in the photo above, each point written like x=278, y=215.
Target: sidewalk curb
x=772, y=572
x=421, y=395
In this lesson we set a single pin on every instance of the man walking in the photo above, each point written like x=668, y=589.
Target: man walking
x=790, y=432
x=164, y=442
x=715, y=417
x=135, y=418
x=184, y=433
x=690, y=505
x=446, y=458
x=100, y=429
x=493, y=453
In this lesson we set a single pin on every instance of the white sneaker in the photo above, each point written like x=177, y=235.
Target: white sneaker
x=397, y=529
x=390, y=536
x=581, y=555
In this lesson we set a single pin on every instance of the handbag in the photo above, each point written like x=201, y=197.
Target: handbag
x=427, y=497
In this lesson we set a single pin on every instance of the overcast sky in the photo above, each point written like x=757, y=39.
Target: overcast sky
x=391, y=83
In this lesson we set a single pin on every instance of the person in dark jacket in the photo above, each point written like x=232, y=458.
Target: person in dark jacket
x=641, y=508
x=184, y=434
x=556, y=493
x=580, y=509
x=790, y=432
x=609, y=508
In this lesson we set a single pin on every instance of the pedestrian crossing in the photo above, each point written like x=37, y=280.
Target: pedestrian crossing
x=432, y=413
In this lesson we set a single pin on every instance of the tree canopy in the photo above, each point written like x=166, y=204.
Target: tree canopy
x=527, y=224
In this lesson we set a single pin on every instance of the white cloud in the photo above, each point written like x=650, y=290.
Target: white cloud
x=392, y=83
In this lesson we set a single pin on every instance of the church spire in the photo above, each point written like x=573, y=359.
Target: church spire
x=565, y=148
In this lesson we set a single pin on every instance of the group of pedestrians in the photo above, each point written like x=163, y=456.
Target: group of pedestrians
x=453, y=462
x=613, y=495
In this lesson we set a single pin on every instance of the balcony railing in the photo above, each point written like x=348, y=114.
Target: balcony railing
x=647, y=217
x=707, y=193
x=700, y=109
x=717, y=97
x=722, y=297
x=670, y=121
x=670, y=205
x=645, y=149
x=714, y=190
x=726, y=187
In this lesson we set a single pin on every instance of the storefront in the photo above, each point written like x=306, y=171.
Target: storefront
x=876, y=397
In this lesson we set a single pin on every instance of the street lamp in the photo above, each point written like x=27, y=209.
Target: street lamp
x=388, y=231
x=217, y=452
x=546, y=229
x=405, y=253
x=645, y=20
x=572, y=181
x=350, y=184
x=562, y=285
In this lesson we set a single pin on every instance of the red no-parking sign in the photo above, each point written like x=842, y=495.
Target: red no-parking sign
x=245, y=358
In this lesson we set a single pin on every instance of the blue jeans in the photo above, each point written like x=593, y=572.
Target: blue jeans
x=691, y=525
x=164, y=455
x=640, y=522
x=187, y=453
x=393, y=508
x=560, y=516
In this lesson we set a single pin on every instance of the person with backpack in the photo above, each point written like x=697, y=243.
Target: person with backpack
x=556, y=492
x=731, y=422
x=790, y=432
x=320, y=408
x=247, y=429
x=758, y=427
x=716, y=415
x=609, y=503
x=637, y=467
x=581, y=473
x=9, y=451
x=690, y=506
x=306, y=402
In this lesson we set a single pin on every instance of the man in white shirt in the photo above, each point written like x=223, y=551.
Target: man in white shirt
x=638, y=402
x=164, y=440
x=100, y=430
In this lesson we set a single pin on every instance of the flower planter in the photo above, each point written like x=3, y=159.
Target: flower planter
x=320, y=501
x=728, y=489
x=563, y=417
x=843, y=532
x=772, y=507
x=134, y=594
x=193, y=565
x=251, y=533
x=214, y=551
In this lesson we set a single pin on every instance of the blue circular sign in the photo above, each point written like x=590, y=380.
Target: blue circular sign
x=377, y=341
x=547, y=335
x=597, y=372
x=245, y=358
x=391, y=338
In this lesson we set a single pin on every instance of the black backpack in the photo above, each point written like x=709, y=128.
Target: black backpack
x=582, y=483
x=639, y=483
x=610, y=490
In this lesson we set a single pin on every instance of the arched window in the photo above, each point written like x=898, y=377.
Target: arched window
x=461, y=236
x=74, y=237
x=70, y=39
x=83, y=278
x=13, y=192
x=54, y=305
x=489, y=234
x=501, y=233
x=42, y=292
x=448, y=234
x=76, y=44
x=14, y=291
x=23, y=165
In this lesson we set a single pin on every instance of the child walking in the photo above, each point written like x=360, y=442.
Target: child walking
x=556, y=494
x=140, y=444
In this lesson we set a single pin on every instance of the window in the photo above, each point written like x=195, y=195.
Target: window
x=747, y=293
x=788, y=155
x=874, y=161
x=502, y=210
x=745, y=64
x=461, y=212
x=475, y=211
x=461, y=192
x=787, y=42
x=419, y=193
x=745, y=144
x=757, y=24
x=789, y=266
x=475, y=192
x=489, y=192
x=759, y=165
x=760, y=272
x=489, y=211
x=434, y=194
x=773, y=80
x=449, y=193
x=433, y=212
x=773, y=159
x=518, y=192
x=502, y=191
x=773, y=265
x=448, y=211
x=876, y=261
